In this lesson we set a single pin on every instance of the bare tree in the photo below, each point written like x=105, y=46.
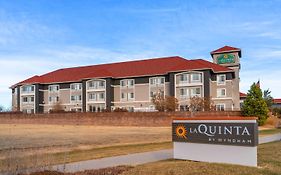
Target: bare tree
x=159, y=102
x=201, y=104
x=171, y=103
x=57, y=107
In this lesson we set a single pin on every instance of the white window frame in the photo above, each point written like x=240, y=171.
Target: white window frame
x=77, y=98
x=153, y=81
x=221, y=82
x=219, y=92
x=194, y=95
x=96, y=84
x=27, y=89
x=53, y=88
x=129, y=83
x=196, y=81
x=28, y=99
x=220, y=106
x=77, y=86
x=99, y=96
x=123, y=83
x=186, y=94
x=130, y=97
x=53, y=101
x=92, y=95
x=185, y=78
x=123, y=96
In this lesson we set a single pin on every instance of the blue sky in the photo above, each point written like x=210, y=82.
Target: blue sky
x=38, y=36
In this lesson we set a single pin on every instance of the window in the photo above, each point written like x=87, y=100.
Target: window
x=53, y=99
x=221, y=92
x=29, y=99
x=162, y=80
x=53, y=88
x=220, y=107
x=196, y=77
x=131, y=95
x=28, y=89
x=101, y=84
x=157, y=81
x=76, y=98
x=131, y=83
x=96, y=84
x=152, y=94
x=123, y=96
x=183, y=78
x=221, y=79
x=101, y=96
x=196, y=92
x=122, y=82
x=76, y=86
x=92, y=97
x=183, y=92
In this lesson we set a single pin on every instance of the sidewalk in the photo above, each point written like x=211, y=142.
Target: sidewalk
x=130, y=159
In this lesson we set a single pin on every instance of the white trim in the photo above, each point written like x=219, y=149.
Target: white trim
x=224, y=82
x=214, y=121
x=219, y=91
x=94, y=91
x=130, y=101
x=160, y=86
x=225, y=98
x=66, y=89
x=63, y=104
x=76, y=84
x=220, y=104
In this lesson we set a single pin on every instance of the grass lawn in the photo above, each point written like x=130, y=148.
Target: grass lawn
x=269, y=131
x=33, y=145
x=269, y=162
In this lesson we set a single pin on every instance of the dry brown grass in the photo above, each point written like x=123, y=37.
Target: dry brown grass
x=26, y=145
x=69, y=137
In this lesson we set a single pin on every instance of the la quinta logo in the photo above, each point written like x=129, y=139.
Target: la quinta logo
x=181, y=131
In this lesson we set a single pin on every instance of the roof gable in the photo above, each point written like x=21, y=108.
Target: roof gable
x=226, y=49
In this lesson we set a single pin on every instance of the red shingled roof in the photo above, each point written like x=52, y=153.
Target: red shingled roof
x=226, y=49
x=277, y=100
x=243, y=94
x=156, y=66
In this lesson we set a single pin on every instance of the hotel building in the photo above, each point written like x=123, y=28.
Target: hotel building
x=132, y=84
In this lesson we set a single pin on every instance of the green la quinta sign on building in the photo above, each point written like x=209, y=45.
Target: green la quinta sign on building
x=226, y=58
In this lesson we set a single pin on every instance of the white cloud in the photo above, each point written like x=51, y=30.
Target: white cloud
x=268, y=80
x=15, y=68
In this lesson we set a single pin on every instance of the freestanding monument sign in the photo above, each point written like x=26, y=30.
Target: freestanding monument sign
x=221, y=139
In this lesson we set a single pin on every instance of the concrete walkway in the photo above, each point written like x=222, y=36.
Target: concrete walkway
x=270, y=138
x=130, y=159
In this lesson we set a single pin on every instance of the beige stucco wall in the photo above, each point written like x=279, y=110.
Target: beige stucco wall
x=141, y=92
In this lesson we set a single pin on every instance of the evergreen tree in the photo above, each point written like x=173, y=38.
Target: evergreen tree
x=268, y=98
x=255, y=105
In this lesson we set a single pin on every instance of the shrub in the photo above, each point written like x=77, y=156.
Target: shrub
x=276, y=112
x=120, y=110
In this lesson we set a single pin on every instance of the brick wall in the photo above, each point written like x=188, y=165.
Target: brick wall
x=105, y=119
